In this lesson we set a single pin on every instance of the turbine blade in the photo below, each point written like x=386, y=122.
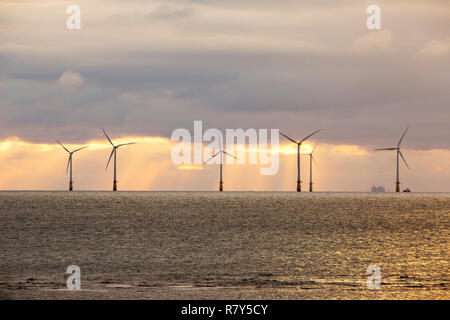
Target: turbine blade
x=125, y=144
x=403, y=158
x=288, y=138
x=68, y=162
x=63, y=146
x=230, y=155
x=310, y=135
x=385, y=149
x=108, y=137
x=79, y=149
x=401, y=139
x=314, y=160
x=212, y=157
x=314, y=148
x=110, y=156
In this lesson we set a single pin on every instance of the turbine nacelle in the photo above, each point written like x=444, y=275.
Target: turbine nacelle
x=69, y=162
x=312, y=152
x=70, y=153
x=221, y=152
x=299, y=143
x=115, y=147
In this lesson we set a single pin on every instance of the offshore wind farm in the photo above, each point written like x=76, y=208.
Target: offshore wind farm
x=328, y=179
x=219, y=154
x=201, y=226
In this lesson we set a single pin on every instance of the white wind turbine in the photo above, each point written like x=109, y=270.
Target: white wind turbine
x=399, y=154
x=69, y=163
x=311, y=159
x=299, y=144
x=221, y=152
x=114, y=152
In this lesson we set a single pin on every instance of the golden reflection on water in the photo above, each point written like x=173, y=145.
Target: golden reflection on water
x=229, y=245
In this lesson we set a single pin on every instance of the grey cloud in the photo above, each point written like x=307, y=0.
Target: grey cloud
x=357, y=98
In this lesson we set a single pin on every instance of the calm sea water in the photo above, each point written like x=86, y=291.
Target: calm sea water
x=170, y=245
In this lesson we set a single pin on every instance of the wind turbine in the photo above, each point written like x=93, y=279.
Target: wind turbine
x=311, y=159
x=114, y=152
x=221, y=152
x=69, y=163
x=399, y=154
x=299, y=144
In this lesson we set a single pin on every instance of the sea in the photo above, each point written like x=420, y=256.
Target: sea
x=229, y=245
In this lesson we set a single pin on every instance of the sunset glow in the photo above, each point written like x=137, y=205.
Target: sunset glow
x=147, y=166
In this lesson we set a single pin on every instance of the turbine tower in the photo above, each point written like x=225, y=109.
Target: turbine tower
x=299, y=144
x=399, y=154
x=114, y=152
x=311, y=159
x=69, y=163
x=221, y=152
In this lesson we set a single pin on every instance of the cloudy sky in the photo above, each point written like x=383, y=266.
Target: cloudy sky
x=144, y=68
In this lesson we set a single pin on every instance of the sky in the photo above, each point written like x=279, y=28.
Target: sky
x=142, y=69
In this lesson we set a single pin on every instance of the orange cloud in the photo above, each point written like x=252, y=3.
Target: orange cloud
x=148, y=166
